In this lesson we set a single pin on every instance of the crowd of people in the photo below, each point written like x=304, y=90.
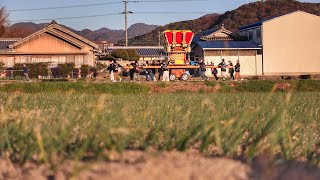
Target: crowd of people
x=134, y=71
x=223, y=68
x=163, y=70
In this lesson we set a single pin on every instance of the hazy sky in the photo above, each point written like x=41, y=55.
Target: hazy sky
x=116, y=21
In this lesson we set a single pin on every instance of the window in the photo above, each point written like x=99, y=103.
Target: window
x=258, y=33
x=250, y=35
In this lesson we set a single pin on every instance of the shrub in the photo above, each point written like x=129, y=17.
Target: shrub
x=18, y=67
x=120, y=53
x=65, y=69
x=108, y=57
x=133, y=55
x=101, y=66
x=308, y=85
x=35, y=69
x=84, y=70
x=78, y=87
x=211, y=83
x=42, y=69
x=255, y=86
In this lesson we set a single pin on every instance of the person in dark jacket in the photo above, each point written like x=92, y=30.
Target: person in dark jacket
x=110, y=69
x=203, y=70
x=149, y=73
x=214, y=71
x=154, y=70
x=26, y=72
x=132, y=70
x=165, y=71
x=231, y=71
x=223, y=67
x=237, y=70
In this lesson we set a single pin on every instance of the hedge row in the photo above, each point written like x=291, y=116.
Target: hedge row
x=61, y=71
x=75, y=87
x=132, y=88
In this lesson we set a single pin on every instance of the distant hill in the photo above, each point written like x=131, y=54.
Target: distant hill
x=233, y=20
x=197, y=25
x=26, y=28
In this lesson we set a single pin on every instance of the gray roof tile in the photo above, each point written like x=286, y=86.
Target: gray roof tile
x=228, y=45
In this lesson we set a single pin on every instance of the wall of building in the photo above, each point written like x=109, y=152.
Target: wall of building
x=251, y=63
x=291, y=44
x=48, y=43
x=53, y=60
x=47, y=48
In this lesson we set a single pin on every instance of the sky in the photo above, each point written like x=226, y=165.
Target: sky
x=111, y=8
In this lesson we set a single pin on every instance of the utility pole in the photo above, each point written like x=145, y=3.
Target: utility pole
x=126, y=19
x=126, y=12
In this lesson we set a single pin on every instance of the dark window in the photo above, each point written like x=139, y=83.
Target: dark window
x=258, y=33
x=250, y=35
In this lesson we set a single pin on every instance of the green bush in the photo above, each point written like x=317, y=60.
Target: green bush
x=133, y=55
x=42, y=69
x=255, y=86
x=308, y=85
x=65, y=69
x=108, y=57
x=210, y=83
x=77, y=87
x=101, y=66
x=35, y=69
x=84, y=70
x=120, y=53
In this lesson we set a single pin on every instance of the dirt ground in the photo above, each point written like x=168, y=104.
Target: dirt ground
x=138, y=165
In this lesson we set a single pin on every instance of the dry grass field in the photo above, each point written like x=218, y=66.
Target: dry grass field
x=247, y=130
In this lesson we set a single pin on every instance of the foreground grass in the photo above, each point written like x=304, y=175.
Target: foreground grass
x=144, y=88
x=53, y=126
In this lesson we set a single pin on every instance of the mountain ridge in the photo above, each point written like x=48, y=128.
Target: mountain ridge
x=23, y=29
x=232, y=20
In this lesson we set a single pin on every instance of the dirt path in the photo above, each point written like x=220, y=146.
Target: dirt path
x=138, y=165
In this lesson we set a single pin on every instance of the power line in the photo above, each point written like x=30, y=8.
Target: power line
x=110, y=14
x=63, y=18
x=151, y=1
x=173, y=12
x=65, y=7
x=97, y=4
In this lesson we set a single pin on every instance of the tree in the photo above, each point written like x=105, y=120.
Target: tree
x=120, y=53
x=66, y=69
x=107, y=58
x=133, y=55
x=3, y=20
x=84, y=70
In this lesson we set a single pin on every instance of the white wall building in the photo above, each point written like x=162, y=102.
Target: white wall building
x=290, y=43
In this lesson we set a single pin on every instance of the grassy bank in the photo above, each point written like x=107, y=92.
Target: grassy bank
x=53, y=126
x=144, y=88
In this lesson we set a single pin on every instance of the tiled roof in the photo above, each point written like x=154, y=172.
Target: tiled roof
x=227, y=45
x=144, y=52
x=259, y=23
x=5, y=42
x=60, y=32
x=198, y=36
